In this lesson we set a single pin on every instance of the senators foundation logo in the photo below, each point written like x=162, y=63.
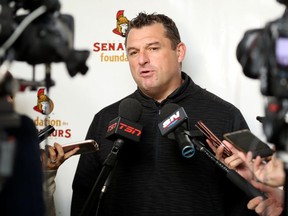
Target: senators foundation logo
x=114, y=51
x=121, y=24
x=44, y=104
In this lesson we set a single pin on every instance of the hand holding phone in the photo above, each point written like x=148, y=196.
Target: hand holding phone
x=85, y=146
x=245, y=140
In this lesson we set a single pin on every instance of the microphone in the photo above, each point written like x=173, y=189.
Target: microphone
x=120, y=129
x=124, y=127
x=45, y=132
x=174, y=123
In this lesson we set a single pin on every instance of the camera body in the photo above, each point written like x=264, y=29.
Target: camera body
x=263, y=54
x=48, y=38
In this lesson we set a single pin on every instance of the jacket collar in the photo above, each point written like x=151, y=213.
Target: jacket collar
x=177, y=95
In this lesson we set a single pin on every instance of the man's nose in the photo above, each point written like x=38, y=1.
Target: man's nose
x=143, y=58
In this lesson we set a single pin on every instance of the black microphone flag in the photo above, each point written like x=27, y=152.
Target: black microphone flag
x=174, y=123
x=125, y=126
x=172, y=119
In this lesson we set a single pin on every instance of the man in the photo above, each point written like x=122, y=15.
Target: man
x=151, y=177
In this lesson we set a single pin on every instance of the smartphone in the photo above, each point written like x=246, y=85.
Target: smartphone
x=213, y=138
x=245, y=140
x=86, y=146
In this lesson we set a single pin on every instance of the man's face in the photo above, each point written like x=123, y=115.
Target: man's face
x=154, y=65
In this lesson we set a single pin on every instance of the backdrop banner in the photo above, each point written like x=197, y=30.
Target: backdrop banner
x=211, y=31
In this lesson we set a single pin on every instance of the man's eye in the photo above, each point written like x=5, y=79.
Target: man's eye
x=132, y=53
x=154, y=48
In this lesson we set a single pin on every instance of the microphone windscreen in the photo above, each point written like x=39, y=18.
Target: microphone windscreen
x=167, y=110
x=130, y=109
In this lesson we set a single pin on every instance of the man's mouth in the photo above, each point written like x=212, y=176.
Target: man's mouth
x=146, y=73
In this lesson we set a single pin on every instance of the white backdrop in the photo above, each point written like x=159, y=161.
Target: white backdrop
x=211, y=31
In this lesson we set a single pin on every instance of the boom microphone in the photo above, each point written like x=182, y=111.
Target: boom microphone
x=125, y=127
x=174, y=123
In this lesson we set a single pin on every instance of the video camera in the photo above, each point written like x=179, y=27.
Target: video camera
x=263, y=54
x=32, y=31
x=41, y=36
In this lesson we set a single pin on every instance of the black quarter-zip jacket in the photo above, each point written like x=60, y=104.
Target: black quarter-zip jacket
x=152, y=178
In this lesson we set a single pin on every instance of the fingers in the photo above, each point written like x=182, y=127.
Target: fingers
x=261, y=186
x=272, y=206
x=236, y=159
x=59, y=151
x=52, y=155
x=214, y=149
x=229, y=145
x=56, y=155
x=217, y=150
x=263, y=208
x=267, y=207
x=233, y=161
x=53, y=159
x=253, y=203
x=64, y=156
x=249, y=160
x=71, y=152
x=249, y=157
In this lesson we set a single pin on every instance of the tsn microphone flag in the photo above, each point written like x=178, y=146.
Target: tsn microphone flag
x=122, y=128
x=125, y=126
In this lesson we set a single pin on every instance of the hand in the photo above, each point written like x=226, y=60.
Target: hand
x=271, y=173
x=53, y=157
x=236, y=161
x=272, y=206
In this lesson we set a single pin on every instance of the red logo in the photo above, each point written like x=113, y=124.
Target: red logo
x=44, y=104
x=129, y=129
x=126, y=128
x=121, y=24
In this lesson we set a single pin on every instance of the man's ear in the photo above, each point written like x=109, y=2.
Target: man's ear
x=181, y=51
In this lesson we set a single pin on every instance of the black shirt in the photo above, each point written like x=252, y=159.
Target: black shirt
x=152, y=177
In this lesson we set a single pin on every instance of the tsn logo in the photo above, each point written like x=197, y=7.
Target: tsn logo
x=171, y=120
x=126, y=128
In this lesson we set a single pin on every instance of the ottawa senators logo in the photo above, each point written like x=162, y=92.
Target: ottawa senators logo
x=44, y=104
x=121, y=24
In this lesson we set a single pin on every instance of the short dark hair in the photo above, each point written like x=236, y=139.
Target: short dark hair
x=144, y=19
